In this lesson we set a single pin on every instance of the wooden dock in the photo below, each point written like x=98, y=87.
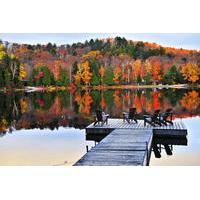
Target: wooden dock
x=126, y=144
x=177, y=129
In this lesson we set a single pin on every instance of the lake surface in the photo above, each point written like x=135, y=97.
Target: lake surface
x=43, y=128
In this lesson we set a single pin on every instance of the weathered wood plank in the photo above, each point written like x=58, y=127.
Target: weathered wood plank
x=110, y=158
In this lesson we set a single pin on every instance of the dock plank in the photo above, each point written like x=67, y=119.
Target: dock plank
x=112, y=158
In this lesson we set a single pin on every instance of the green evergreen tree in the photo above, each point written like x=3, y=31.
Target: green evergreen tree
x=94, y=67
x=147, y=78
x=108, y=77
x=173, y=76
x=46, y=80
x=64, y=77
x=138, y=79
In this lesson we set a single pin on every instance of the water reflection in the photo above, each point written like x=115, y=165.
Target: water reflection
x=52, y=110
x=21, y=114
x=166, y=144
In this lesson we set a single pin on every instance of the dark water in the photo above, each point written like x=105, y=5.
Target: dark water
x=43, y=128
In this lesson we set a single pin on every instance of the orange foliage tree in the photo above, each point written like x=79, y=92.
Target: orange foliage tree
x=117, y=75
x=137, y=70
x=156, y=76
x=55, y=69
x=101, y=72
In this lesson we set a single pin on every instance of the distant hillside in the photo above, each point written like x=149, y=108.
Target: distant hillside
x=107, y=61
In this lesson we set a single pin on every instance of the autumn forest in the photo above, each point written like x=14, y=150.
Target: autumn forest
x=107, y=62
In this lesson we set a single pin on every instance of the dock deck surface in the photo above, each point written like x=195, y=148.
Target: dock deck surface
x=177, y=129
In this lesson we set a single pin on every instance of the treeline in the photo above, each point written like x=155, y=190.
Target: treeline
x=90, y=71
x=111, y=61
x=12, y=72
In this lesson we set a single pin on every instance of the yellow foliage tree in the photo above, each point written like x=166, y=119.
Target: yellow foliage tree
x=190, y=72
x=137, y=69
x=78, y=75
x=147, y=66
x=86, y=72
x=91, y=54
x=22, y=72
x=83, y=73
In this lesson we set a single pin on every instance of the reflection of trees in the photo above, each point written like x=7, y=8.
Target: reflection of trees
x=96, y=98
x=109, y=99
x=16, y=111
x=155, y=99
x=148, y=100
x=3, y=125
x=117, y=99
x=190, y=101
x=52, y=121
x=102, y=102
x=173, y=95
x=42, y=100
x=11, y=108
x=23, y=105
x=84, y=102
x=51, y=110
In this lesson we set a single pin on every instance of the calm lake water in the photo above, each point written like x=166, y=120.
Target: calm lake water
x=43, y=128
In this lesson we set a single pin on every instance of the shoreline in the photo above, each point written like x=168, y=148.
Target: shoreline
x=100, y=87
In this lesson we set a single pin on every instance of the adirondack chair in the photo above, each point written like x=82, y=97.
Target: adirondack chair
x=153, y=119
x=166, y=117
x=101, y=117
x=130, y=116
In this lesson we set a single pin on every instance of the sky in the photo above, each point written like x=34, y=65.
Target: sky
x=178, y=40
